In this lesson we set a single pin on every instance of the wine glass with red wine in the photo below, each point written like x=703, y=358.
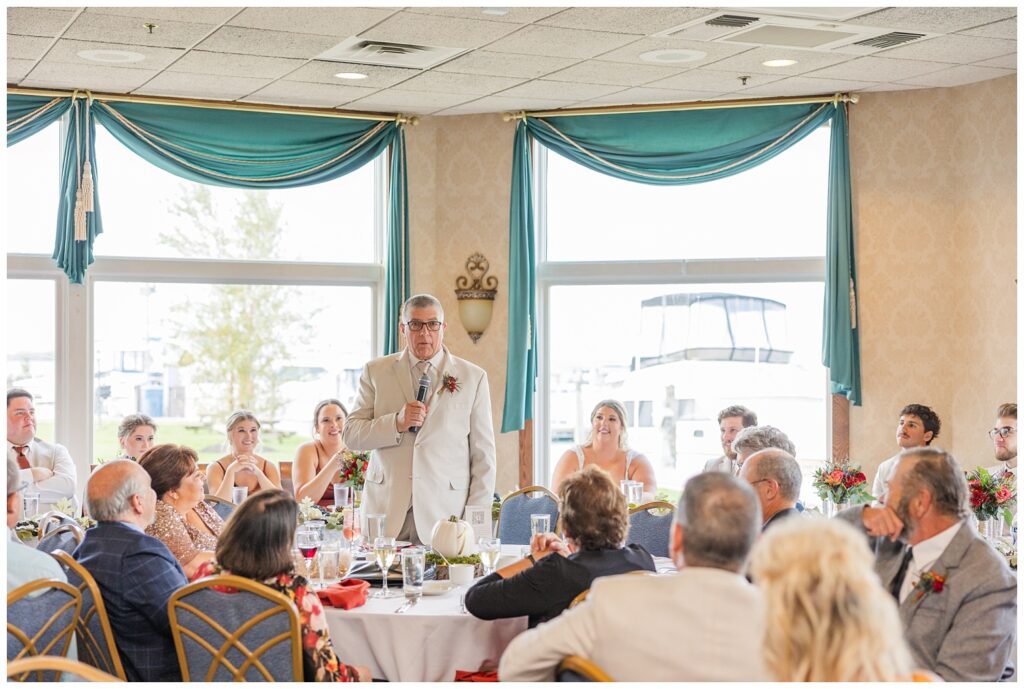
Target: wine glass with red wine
x=308, y=543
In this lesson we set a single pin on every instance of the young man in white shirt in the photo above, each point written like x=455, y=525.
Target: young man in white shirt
x=918, y=427
x=1004, y=439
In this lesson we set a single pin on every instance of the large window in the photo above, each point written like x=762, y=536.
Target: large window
x=680, y=301
x=202, y=300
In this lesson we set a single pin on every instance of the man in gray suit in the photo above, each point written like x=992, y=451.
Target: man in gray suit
x=957, y=596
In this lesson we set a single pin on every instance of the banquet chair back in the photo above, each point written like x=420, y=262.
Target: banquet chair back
x=514, y=516
x=228, y=629
x=65, y=537
x=222, y=507
x=580, y=597
x=51, y=520
x=650, y=530
x=94, y=636
x=41, y=618
x=56, y=668
x=577, y=669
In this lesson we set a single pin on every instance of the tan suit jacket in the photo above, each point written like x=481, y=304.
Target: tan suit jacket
x=451, y=461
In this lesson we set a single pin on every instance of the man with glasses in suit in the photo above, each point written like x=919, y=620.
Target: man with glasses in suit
x=429, y=457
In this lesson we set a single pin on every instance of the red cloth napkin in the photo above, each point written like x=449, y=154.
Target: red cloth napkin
x=479, y=676
x=346, y=594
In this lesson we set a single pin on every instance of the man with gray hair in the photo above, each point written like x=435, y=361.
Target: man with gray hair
x=24, y=564
x=713, y=617
x=957, y=596
x=425, y=417
x=776, y=477
x=757, y=438
x=136, y=573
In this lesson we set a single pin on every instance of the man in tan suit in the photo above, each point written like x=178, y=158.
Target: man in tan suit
x=419, y=477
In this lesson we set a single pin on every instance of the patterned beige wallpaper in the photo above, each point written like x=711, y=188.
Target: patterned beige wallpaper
x=934, y=193
x=934, y=174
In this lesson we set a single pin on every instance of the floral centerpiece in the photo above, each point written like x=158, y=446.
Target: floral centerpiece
x=841, y=483
x=309, y=511
x=353, y=468
x=992, y=496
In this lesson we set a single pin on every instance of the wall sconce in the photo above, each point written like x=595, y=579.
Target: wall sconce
x=476, y=296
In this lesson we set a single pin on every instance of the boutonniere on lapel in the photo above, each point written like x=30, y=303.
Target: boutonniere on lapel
x=450, y=383
x=930, y=582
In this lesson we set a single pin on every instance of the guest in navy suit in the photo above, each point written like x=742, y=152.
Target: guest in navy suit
x=775, y=476
x=136, y=572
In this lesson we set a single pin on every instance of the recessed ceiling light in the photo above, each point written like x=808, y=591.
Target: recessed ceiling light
x=778, y=63
x=495, y=11
x=673, y=55
x=350, y=75
x=111, y=56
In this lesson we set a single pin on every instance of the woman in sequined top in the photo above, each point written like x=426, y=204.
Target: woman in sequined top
x=187, y=525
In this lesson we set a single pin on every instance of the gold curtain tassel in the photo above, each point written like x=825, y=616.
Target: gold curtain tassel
x=86, y=187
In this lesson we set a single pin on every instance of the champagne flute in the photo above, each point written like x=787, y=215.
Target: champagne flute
x=490, y=551
x=384, y=552
x=308, y=542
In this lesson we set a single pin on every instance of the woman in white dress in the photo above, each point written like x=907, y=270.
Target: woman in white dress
x=606, y=446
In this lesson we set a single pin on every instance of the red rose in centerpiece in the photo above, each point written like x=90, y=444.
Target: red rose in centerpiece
x=1003, y=494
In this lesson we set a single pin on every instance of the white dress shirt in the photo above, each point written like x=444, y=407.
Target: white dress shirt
x=62, y=484
x=886, y=470
x=926, y=553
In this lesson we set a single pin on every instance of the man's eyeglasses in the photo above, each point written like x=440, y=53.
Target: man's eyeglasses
x=416, y=326
x=1002, y=432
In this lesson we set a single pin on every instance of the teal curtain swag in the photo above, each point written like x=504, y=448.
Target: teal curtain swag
x=675, y=148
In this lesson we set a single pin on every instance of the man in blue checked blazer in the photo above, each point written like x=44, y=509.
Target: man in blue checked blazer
x=136, y=573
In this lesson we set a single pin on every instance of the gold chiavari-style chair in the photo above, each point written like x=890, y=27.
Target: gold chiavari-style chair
x=51, y=520
x=651, y=530
x=578, y=669
x=41, y=618
x=64, y=669
x=250, y=634
x=95, y=637
x=65, y=537
x=514, y=516
x=222, y=507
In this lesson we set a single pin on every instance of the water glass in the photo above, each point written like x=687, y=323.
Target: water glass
x=317, y=525
x=30, y=508
x=540, y=523
x=413, y=564
x=328, y=560
x=490, y=551
x=342, y=494
x=239, y=494
x=633, y=490
x=375, y=527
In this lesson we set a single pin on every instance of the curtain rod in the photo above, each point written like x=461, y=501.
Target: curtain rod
x=216, y=105
x=669, y=107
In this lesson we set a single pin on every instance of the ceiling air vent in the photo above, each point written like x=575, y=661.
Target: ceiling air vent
x=889, y=40
x=370, y=52
x=735, y=21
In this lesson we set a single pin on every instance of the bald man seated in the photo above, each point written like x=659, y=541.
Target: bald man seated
x=775, y=476
x=136, y=572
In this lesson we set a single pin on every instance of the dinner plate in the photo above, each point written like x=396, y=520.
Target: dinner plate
x=437, y=588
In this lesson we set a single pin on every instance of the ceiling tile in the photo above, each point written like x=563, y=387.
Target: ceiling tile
x=505, y=65
x=560, y=90
x=201, y=86
x=959, y=49
x=642, y=21
x=1006, y=28
x=17, y=69
x=109, y=28
x=1006, y=62
x=648, y=95
x=872, y=68
x=713, y=80
x=233, y=39
x=616, y=73
x=340, y=22
x=417, y=102
x=713, y=51
x=933, y=19
x=958, y=76
x=228, y=64
x=890, y=87
x=514, y=15
x=27, y=47
x=425, y=29
x=31, y=21
x=805, y=86
x=555, y=42
x=468, y=84
x=377, y=76
x=156, y=58
x=502, y=104
x=308, y=94
x=750, y=61
x=194, y=15
x=93, y=77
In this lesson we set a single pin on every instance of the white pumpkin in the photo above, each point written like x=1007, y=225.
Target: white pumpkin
x=451, y=537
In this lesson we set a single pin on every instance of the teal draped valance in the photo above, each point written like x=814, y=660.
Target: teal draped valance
x=232, y=148
x=675, y=148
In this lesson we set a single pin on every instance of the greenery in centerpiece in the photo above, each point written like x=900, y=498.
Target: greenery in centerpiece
x=842, y=482
x=309, y=511
x=992, y=495
x=353, y=468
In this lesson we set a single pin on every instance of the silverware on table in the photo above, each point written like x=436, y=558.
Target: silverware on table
x=406, y=605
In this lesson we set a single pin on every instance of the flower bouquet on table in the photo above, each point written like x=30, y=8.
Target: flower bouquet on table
x=992, y=495
x=841, y=484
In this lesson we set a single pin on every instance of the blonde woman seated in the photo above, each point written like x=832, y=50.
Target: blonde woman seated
x=243, y=467
x=828, y=618
x=187, y=525
x=135, y=435
x=317, y=464
x=606, y=446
